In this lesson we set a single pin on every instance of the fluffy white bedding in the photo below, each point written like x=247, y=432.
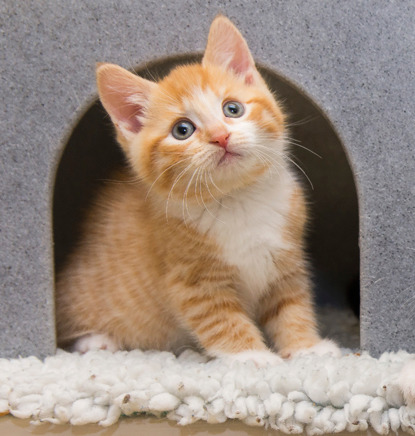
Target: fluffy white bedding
x=310, y=393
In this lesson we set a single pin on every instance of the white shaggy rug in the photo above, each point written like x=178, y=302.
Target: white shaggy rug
x=312, y=394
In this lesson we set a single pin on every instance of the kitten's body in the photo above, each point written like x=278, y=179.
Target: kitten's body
x=206, y=246
x=119, y=280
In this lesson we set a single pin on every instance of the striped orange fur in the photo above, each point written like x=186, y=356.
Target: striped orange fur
x=203, y=244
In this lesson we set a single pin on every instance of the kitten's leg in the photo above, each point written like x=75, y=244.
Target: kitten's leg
x=287, y=315
x=217, y=319
x=94, y=341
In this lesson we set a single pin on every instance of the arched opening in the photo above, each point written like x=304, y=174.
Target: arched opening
x=92, y=153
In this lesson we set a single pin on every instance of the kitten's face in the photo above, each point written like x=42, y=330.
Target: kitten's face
x=203, y=131
x=207, y=127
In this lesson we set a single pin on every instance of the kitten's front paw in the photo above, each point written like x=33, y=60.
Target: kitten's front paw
x=261, y=358
x=95, y=341
x=325, y=346
x=406, y=381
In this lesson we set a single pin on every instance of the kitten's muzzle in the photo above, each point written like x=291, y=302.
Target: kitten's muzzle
x=228, y=157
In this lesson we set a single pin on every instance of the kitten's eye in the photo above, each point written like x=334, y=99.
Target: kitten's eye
x=183, y=130
x=233, y=109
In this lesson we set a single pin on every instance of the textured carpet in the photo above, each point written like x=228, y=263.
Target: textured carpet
x=312, y=394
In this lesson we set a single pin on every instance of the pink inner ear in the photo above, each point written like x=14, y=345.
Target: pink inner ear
x=126, y=115
x=242, y=65
x=249, y=79
x=124, y=96
x=241, y=62
x=123, y=102
x=227, y=47
x=134, y=124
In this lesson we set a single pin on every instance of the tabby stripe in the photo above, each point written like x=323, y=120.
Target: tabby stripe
x=210, y=326
x=275, y=310
x=233, y=339
x=209, y=308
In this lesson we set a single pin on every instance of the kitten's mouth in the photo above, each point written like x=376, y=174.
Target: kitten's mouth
x=228, y=157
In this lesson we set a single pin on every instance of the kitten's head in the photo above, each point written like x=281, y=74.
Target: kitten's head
x=204, y=130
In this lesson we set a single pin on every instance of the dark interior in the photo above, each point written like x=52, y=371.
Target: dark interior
x=92, y=153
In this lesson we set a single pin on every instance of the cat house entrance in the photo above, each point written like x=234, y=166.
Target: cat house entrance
x=92, y=154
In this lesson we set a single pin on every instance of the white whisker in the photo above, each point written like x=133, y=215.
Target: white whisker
x=168, y=168
x=285, y=156
x=267, y=161
x=185, y=197
x=196, y=187
x=204, y=204
x=210, y=193
x=299, y=167
x=303, y=121
x=173, y=185
x=296, y=144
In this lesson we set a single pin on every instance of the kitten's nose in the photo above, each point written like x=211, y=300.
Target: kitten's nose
x=220, y=139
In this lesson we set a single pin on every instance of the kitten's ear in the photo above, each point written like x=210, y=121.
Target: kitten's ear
x=227, y=47
x=125, y=96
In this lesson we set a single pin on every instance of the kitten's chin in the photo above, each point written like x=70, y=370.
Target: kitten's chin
x=232, y=176
x=228, y=158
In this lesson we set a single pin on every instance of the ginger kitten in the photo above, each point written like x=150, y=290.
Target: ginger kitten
x=203, y=243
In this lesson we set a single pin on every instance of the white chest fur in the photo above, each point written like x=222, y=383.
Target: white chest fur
x=249, y=230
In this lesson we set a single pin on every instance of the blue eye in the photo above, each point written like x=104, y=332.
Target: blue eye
x=183, y=130
x=233, y=109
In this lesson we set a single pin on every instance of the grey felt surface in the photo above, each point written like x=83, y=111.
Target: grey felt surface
x=354, y=59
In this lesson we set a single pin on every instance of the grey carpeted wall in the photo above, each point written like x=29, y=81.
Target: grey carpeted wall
x=350, y=67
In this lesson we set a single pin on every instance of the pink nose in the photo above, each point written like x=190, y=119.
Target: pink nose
x=220, y=139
